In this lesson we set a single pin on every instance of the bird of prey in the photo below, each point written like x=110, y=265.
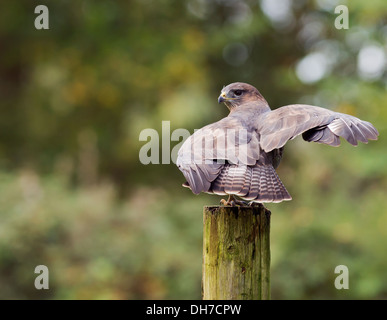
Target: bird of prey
x=238, y=155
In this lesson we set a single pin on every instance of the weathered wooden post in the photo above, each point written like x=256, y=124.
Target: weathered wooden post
x=236, y=253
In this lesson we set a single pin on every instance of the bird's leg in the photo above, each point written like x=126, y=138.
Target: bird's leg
x=228, y=202
x=231, y=201
x=223, y=202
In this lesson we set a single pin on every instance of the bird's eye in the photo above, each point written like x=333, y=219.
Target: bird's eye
x=238, y=92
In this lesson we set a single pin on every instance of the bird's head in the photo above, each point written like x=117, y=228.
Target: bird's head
x=238, y=93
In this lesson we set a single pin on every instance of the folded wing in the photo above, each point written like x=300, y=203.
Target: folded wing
x=204, y=154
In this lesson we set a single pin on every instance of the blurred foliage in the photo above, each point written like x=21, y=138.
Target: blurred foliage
x=74, y=99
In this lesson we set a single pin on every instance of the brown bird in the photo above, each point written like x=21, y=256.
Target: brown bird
x=238, y=155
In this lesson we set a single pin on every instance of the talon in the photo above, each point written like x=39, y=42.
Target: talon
x=232, y=202
x=241, y=203
x=223, y=202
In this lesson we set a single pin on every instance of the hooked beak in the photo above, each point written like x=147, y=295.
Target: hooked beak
x=222, y=98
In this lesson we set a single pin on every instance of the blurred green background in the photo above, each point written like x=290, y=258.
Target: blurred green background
x=74, y=99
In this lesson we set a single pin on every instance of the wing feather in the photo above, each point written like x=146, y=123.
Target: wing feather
x=203, y=155
x=314, y=123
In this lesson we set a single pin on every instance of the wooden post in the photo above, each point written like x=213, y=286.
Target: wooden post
x=236, y=253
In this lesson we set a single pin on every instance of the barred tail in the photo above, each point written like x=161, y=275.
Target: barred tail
x=258, y=184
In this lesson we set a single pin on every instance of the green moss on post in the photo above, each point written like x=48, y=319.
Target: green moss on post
x=236, y=253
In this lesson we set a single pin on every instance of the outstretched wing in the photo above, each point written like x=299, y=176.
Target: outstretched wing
x=204, y=154
x=315, y=124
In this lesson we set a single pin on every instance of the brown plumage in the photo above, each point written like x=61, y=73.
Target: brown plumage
x=238, y=155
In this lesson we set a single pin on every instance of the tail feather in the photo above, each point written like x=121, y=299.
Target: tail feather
x=220, y=182
x=258, y=184
x=272, y=190
x=246, y=185
x=236, y=179
x=253, y=185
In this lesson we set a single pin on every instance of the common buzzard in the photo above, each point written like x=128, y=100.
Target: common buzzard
x=238, y=155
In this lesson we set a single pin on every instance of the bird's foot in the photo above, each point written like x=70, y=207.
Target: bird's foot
x=224, y=202
x=233, y=202
x=241, y=203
